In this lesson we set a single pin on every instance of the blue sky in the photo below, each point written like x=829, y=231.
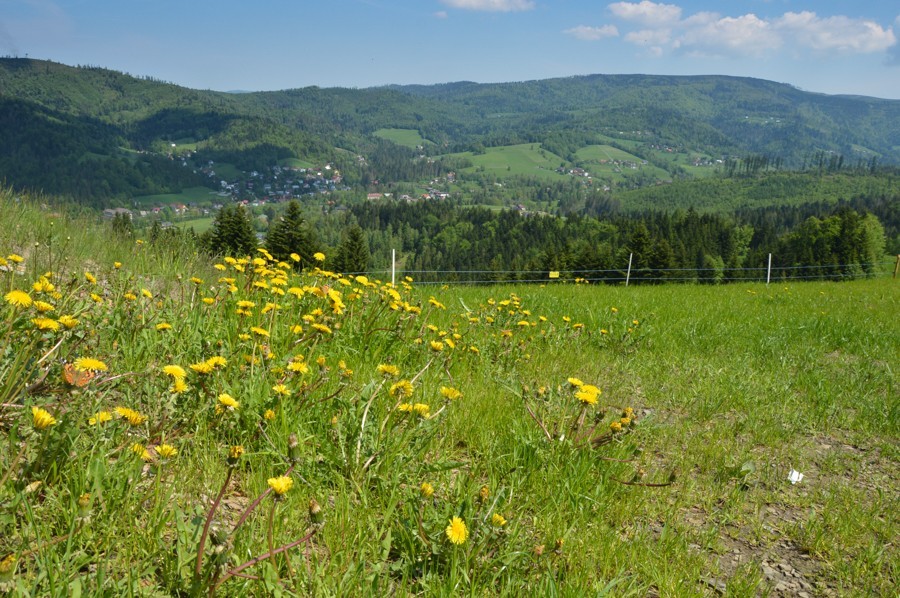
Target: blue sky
x=818, y=45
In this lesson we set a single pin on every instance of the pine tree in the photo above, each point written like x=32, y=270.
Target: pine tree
x=353, y=252
x=232, y=232
x=290, y=234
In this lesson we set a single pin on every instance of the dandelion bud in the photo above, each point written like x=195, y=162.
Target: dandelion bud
x=234, y=455
x=315, y=512
x=559, y=545
x=426, y=490
x=484, y=494
x=84, y=508
x=7, y=572
x=293, y=449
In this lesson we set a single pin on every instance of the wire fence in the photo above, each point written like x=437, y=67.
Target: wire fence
x=628, y=276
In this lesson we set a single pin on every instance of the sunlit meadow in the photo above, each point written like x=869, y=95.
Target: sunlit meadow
x=173, y=425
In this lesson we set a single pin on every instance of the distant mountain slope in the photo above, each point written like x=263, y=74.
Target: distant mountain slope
x=112, y=116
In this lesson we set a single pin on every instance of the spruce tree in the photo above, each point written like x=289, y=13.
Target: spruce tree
x=232, y=232
x=353, y=252
x=290, y=234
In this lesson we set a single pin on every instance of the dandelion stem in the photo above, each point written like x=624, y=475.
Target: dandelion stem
x=272, y=538
x=261, y=557
x=206, y=524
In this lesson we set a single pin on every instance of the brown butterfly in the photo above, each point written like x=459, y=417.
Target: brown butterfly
x=76, y=378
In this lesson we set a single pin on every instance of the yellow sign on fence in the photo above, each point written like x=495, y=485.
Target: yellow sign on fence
x=554, y=275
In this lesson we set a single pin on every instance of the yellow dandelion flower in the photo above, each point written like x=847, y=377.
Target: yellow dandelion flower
x=166, y=451
x=197, y=281
x=401, y=389
x=297, y=329
x=269, y=415
x=146, y=293
x=100, y=418
x=133, y=417
x=575, y=382
x=422, y=410
x=448, y=392
x=457, y=532
x=299, y=367
x=226, y=400
x=586, y=397
x=426, y=490
x=204, y=367
x=45, y=324
x=175, y=371
x=282, y=390
x=178, y=386
x=217, y=361
x=319, y=256
x=15, y=258
x=163, y=326
x=96, y=298
x=322, y=328
x=405, y=407
x=68, y=321
x=130, y=296
x=18, y=298
x=436, y=346
x=388, y=371
x=43, y=306
x=41, y=418
x=295, y=257
x=280, y=485
x=234, y=454
x=498, y=520
x=259, y=331
x=89, y=364
x=615, y=426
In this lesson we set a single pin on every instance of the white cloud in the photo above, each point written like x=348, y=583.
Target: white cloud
x=661, y=27
x=747, y=34
x=441, y=14
x=649, y=14
x=592, y=33
x=835, y=33
x=491, y=5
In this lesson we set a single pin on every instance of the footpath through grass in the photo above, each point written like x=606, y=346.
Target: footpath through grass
x=173, y=427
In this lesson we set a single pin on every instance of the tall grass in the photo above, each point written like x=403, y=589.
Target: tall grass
x=673, y=481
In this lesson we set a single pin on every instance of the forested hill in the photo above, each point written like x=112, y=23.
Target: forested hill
x=96, y=133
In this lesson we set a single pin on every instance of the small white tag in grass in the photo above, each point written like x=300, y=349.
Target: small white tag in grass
x=794, y=476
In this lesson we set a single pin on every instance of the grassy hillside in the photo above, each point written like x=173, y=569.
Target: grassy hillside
x=58, y=114
x=518, y=440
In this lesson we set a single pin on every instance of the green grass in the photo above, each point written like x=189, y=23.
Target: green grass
x=200, y=225
x=295, y=163
x=526, y=159
x=191, y=194
x=405, y=137
x=730, y=386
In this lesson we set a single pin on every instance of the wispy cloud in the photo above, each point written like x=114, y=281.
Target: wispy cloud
x=664, y=28
x=441, y=14
x=592, y=33
x=491, y=5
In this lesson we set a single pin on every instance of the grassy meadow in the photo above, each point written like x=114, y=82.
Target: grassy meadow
x=406, y=137
x=173, y=425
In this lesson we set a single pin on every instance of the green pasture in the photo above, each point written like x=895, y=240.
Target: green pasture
x=191, y=194
x=405, y=137
x=527, y=159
